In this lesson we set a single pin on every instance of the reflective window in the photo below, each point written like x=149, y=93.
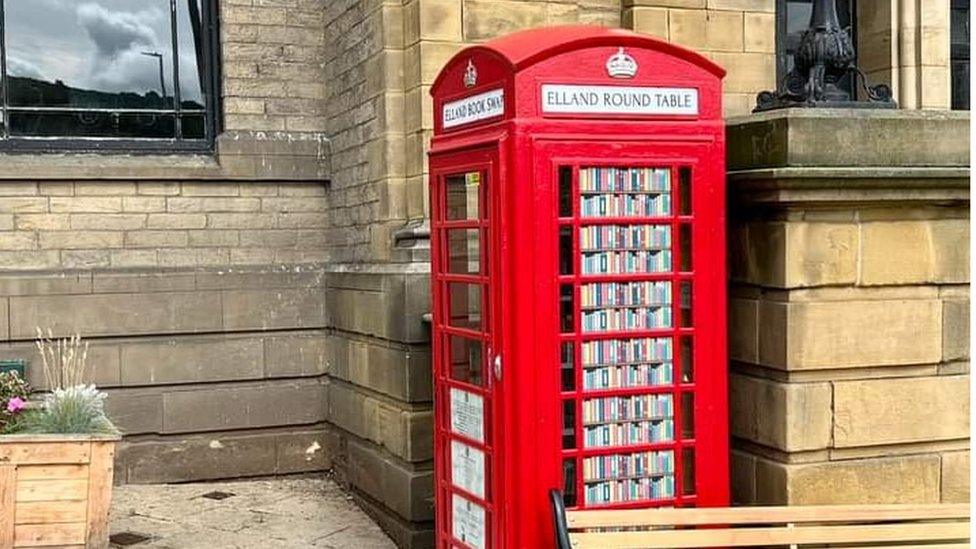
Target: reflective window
x=959, y=52
x=111, y=69
x=793, y=17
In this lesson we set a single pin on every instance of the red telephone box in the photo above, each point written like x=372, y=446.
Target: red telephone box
x=577, y=207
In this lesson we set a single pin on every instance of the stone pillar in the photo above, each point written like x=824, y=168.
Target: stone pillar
x=849, y=239
x=906, y=46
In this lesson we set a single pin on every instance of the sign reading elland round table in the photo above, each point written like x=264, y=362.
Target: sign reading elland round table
x=577, y=208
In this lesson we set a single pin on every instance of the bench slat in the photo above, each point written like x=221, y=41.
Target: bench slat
x=676, y=539
x=763, y=515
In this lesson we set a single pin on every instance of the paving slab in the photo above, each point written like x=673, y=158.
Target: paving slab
x=291, y=512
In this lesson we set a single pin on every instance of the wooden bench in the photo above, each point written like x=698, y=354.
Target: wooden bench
x=928, y=526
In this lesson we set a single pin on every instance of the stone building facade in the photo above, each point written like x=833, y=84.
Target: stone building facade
x=259, y=309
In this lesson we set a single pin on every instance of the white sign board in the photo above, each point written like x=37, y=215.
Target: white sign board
x=468, y=522
x=468, y=468
x=472, y=109
x=573, y=99
x=468, y=414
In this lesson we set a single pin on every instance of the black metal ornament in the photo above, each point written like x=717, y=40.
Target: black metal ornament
x=824, y=56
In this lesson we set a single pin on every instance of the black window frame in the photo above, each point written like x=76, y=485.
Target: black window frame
x=959, y=55
x=211, y=87
x=781, y=37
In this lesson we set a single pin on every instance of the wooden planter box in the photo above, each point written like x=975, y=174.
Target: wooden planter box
x=55, y=490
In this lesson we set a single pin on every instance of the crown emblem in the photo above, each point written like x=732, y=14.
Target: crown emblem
x=621, y=65
x=470, y=75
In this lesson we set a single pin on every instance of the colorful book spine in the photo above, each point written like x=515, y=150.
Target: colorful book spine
x=622, y=262
x=625, y=237
x=625, y=294
x=634, y=375
x=622, y=491
x=629, y=434
x=625, y=205
x=613, y=352
x=612, y=179
x=643, y=318
x=598, y=411
x=633, y=465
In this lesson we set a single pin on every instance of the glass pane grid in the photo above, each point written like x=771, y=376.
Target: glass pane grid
x=627, y=410
x=120, y=71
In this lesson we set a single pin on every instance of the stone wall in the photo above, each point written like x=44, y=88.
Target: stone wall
x=849, y=315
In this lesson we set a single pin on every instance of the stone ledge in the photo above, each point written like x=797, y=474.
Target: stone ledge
x=848, y=138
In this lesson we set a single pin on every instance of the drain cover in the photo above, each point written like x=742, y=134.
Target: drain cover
x=125, y=539
x=217, y=495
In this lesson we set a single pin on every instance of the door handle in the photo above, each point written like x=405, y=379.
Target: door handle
x=497, y=367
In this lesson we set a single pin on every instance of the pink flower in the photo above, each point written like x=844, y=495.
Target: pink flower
x=15, y=405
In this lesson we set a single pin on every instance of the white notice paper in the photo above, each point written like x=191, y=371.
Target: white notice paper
x=468, y=414
x=472, y=109
x=468, y=468
x=469, y=522
x=559, y=98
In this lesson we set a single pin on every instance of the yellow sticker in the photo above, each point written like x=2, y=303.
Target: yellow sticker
x=472, y=178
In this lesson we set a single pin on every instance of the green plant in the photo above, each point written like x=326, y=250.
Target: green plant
x=73, y=410
x=14, y=391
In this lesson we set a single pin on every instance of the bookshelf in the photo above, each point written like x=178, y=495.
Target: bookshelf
x=620, y=331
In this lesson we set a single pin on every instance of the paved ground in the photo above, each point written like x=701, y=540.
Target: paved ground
x=291, y=512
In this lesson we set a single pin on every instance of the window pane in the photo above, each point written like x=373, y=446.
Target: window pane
x=798, y=14
x=95, y=54
x=463, y=196
x=464, y=251
x=465, y=305
x=91, y=124
x=189, y=14
x=467, y=362
x=193, y=126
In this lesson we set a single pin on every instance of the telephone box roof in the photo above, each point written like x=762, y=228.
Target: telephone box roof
x=525, y=48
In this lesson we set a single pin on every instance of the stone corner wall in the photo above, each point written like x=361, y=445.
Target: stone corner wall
x=849, y=312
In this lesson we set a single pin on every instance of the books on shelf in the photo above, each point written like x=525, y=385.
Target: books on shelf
x=625, y=237
x=625, y=205
x=613, y=262
x=638, y=318
x=611, y=352
x=630, y=375
x=625, y=294
x=638, y=489
x=629, y=477
x=616, y=409
x=608, y=179
x=636, y=464
x=628, y=434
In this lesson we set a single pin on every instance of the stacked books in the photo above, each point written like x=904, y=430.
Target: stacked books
x=625, y=237
x=629, y=477
x=610, y=262
x=638, y=464
x=615, y=352
x=625, y=294
x=619, y=409
x=625, y=205
x=631, y=375
x=637, y=180
x=629, y=434
x=638, y=318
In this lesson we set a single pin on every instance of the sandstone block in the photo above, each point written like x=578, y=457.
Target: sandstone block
x=296, y=355
x=653, y=21
x=744, y=330
x=743, y=467
x=110, y=222
x=485, y=19
x=767, y=6
x=747, y=72
x=192, y=360
x=722, y=29
x=107, y=204
x=837, y=334
x=135, y=411
x=900, y=410
x=911, y=252
x=955, y=329
x=907, y=479
x=197, y=458
x=243, y=407
x=405, y=490
x=760, y=32
x=955, y=477
x=79, y=240
x=787, y=416
x=269, y=309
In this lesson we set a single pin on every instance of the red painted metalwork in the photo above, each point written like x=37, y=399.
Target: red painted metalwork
x=502, y=190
